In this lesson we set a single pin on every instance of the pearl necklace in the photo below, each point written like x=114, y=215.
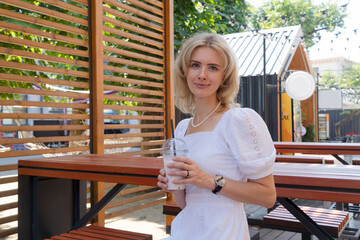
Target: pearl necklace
x=196, y=125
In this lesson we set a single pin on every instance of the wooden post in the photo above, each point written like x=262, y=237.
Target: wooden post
x=169, y=65
x=169, y=84
x=96, y=96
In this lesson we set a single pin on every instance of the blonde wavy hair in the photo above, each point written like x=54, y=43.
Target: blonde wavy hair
x=227, y=92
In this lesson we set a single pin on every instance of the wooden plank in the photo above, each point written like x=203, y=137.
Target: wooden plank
x=43, y=104
x=96, y=99
x=137, y=144
x=156, y=3
x=134, y=19
x=30, y=55
x=8, y=232
x=135, y=29
x=145, y=83
x=299, y=159
x=41, y=80
x=43, y=139
x=38, y=9
x=45, y=151
x=136, y=126
x=135, y=99
x=43, y=92
x=8, y=193
x=83, y=2
x=8, y=219
x=134, y=55
x=90, y=176
x=106, y=163
x=42, y=22
x=45, y=46
x=139, y=117
x=32, y=67
x=317, y=148
x=169, y=65
x=132, y=36
x=43, y=116
x=134, y=90
x=43, y=128
x=147, y=7
x=5, y=180
x=137, y=12
x=49, y=35
x=67, y=6
x=9, y=167
x=133, y=63
x=8, y=206
x=134, y=108
x=133, y=135
x=147, y=152
x=319, y=195
x=123, y=42
x=132, y=72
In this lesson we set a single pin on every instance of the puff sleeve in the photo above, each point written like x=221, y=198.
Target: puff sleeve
x=250, y=143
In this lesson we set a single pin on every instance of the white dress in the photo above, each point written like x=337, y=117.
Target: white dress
x=239, y=148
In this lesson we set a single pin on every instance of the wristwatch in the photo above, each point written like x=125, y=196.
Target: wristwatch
x=219, y=183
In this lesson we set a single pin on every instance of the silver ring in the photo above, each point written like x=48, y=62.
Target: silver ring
x=187, y=174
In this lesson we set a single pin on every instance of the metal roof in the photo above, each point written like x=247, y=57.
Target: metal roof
x=281, y=44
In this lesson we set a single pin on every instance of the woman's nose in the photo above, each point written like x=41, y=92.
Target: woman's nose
x=202, y=73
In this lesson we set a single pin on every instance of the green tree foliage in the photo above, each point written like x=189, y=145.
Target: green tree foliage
x=312, y=18
x=195, y=16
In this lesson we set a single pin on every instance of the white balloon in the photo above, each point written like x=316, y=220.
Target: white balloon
x=300, y=85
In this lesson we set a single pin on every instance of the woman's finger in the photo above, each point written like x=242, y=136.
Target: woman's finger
x=182, y=159
x=162, y=172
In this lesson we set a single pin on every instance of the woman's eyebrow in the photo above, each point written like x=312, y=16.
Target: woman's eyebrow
x=212, y=64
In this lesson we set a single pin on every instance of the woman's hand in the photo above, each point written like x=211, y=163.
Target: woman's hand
x=162, y=183
x=192, y=173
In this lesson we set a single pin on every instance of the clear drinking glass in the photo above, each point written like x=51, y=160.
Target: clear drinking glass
x=171, y=148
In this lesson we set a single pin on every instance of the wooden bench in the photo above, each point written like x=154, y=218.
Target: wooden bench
x=173, y=209
x=356, y=161
x=302, y=159
x=332, y=221
x=98, y=233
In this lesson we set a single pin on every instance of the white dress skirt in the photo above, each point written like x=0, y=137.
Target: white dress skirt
x=239, y=148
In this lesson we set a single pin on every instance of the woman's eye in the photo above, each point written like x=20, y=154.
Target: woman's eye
x=213, y=68
x=195, y=65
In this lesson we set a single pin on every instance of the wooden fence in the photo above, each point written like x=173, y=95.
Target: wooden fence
x=79, y=76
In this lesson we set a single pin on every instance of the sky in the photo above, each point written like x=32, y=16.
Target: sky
x=346, y=44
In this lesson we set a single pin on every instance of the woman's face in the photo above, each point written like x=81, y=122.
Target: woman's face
x=205, y=73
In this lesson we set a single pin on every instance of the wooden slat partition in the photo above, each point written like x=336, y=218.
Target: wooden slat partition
x=54, y=61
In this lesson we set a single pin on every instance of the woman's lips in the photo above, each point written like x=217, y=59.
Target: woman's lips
x=201, y=85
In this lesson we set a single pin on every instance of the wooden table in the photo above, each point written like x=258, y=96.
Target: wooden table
x=324, y=182
x=90, y=167
x=334, y=149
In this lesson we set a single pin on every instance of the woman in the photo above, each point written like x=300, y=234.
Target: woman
x=231, y=152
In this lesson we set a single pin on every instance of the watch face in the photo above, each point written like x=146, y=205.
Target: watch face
x=220, y=181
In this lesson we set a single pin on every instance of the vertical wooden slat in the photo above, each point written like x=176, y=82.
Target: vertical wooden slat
x=96, y=100
x=169, y=86
x=169, y=62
